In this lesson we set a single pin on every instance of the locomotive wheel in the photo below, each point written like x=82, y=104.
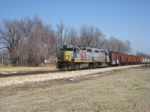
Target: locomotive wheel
x=65, y=68
x=69, y=67
x=78, y=67
x=91, y=66
x=75, y=66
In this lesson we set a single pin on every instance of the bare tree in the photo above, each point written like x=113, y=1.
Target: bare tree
x=61, y=33
x=113, y=44
x=106, y=45
x=124, y=47
x=11, y=38
x=72, y=36
x=51, y=42
x=100, y=39
x=27, y=28
x=127, y=47
x=119, y=46
x=143, y=55
x=91, y=36
x=34, y=32
x=37, y=37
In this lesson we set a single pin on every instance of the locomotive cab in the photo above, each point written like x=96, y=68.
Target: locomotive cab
x=66, y=55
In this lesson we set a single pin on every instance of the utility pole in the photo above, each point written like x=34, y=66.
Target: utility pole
x=2, y=57
x=2, y=52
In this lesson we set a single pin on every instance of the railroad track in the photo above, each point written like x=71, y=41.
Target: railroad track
x=39, y=76
x=5, y=75
x=28, y=73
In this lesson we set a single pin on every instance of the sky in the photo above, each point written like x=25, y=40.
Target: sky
x=123, y=19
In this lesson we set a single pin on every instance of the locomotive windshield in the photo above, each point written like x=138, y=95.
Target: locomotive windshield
x=66, y=49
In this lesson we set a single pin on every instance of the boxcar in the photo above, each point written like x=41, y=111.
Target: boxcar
x=134, y=59
x=141, y=60
x=123, y=59
x=130, y=59
x=114, y=58
x=138, y=60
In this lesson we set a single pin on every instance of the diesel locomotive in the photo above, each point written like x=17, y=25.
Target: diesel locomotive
x=72, y=57
x=77, y=57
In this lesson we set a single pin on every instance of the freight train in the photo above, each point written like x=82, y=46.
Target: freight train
x=74, y=57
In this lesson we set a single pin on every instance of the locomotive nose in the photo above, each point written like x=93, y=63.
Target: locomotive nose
x=66, y=56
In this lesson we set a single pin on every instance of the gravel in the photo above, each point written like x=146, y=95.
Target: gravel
x=51, y=76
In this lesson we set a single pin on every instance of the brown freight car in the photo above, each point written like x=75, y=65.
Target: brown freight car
x=117, y=58
x=114, y=58
x=130, y=59
x=137, y=60
x=134, y=59
x=141, y=60
x=124, y=59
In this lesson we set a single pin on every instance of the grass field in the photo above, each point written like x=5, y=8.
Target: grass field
x=10, y=69
x=116, y=91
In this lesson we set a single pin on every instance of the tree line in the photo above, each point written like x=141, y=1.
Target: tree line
x=29, y=41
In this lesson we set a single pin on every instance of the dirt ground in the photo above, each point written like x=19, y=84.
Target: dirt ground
x=125, y=90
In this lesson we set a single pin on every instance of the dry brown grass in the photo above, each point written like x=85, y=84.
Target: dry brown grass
x=124, y=90
x=10, y=69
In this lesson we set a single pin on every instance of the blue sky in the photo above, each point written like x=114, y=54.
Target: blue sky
x=123, y=19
